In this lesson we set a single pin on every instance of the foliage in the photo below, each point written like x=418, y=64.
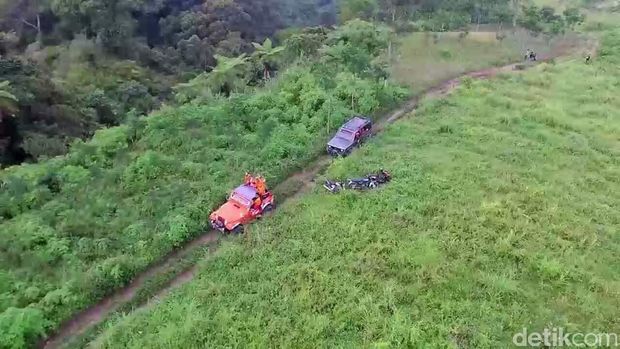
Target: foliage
x=105, y=58
x=573, y=17
x=501, y=215
x=227, y=76
x=69, y=97
x=545, y=20
x=7, y=99
x=267, y=55
x=356, y=45
x=19, y=326
x=445, y=21
x=305, y=43
x=364, y=9
x=5, y=95
x=74, y=228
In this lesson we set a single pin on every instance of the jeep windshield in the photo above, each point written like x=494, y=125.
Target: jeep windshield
x=241, y=200
x=346, y=134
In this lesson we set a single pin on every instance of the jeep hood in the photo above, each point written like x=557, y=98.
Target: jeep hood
x=340, y=143
x=232, y=213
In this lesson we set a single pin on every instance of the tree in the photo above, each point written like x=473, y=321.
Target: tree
x=542, y=20
x=7, y=100
x=227, y=74
x=9, y=41
x=25, y=15
x=356, y=45
x=515, y=5
x=531, y=19
x=500, y=14
x=109, y=21
x=224, y=78
x=266, y=54
x=364, y=9
x=196, y=52
x=573, y=17
x=306, y=43
x=547, y=14
x=393, y=8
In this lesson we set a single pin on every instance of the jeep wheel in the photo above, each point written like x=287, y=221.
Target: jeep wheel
x=268, y=208
x=237, y=230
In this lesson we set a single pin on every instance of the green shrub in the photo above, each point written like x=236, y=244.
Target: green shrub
x=467, y=82
x=445, y=54
x=18, y=327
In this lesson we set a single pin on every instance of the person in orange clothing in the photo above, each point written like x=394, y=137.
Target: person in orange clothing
x=256, y=205
x=247, y=179
x=260, y=186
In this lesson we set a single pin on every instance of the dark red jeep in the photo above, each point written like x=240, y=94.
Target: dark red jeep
x=350, y=135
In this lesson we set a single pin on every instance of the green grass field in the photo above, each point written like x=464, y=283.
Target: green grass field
x=503, y=214
x=419, y=62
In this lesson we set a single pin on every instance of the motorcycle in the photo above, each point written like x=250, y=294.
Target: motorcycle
x=369, y=182
x=361, y=183
x=333, y=186
x=381, y=177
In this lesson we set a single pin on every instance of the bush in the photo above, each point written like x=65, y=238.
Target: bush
x=407, y=27
x=18, y=327
x=41, y=146
x=445, y=54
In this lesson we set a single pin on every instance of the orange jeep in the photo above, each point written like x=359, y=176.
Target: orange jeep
x=244, y=205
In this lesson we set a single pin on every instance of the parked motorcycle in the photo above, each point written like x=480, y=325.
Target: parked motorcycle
x=360, y=183
x=369, y=182
x=381, y=177
x=333, y=186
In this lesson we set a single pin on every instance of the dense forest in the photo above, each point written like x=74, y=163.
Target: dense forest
x=72, y=67
x=75, y=66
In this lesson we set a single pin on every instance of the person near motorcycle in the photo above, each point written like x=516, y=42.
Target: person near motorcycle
x=530, y=55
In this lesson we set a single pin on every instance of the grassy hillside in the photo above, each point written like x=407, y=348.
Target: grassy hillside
x=503, y=214
x=421, y=62
x=74, y=228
